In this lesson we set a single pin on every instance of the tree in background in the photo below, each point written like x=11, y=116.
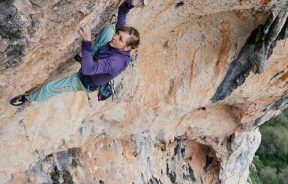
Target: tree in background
x=271, y=158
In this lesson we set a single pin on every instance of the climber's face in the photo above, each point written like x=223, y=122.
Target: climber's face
x=120, y=40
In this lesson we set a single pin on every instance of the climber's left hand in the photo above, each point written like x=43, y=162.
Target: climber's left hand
x=139, y=3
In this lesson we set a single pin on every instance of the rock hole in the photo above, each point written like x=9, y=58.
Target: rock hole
x=179, y=4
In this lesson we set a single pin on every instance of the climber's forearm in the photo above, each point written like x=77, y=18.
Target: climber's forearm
x=122, y=14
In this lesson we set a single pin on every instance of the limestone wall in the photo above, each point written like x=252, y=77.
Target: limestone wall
x=187, y=111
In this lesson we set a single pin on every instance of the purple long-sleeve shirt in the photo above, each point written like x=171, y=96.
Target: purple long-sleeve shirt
x=109, y=62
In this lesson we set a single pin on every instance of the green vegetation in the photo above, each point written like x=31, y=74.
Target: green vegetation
x=271, y=160
x=254, y=175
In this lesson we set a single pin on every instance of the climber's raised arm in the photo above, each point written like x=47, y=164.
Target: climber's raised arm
x=122, y=14
x=124, y=9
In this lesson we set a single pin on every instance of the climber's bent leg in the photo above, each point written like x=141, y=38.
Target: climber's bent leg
x=103, y=37
x=55, y=87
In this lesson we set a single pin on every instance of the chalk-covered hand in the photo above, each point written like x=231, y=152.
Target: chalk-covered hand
x=85, y=32
x=138, y=3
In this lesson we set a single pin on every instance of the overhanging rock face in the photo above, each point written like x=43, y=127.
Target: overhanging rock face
x=207, y=75
x=13, y=38
x=255, y=53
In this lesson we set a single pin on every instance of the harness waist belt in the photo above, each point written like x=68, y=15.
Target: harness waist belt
x=87, y=83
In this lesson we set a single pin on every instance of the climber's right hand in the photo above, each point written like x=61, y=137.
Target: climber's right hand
x=85, y=32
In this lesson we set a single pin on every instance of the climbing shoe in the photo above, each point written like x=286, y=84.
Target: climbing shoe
x=19, y=100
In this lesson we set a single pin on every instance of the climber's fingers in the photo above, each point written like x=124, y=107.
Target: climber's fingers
x=85, y=32
x=139, y=3
x=145, y=2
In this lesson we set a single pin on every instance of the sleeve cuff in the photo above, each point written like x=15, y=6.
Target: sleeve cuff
x=87, y=45
x=128, y=4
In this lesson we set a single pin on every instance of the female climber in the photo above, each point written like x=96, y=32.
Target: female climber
x=101, y=61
